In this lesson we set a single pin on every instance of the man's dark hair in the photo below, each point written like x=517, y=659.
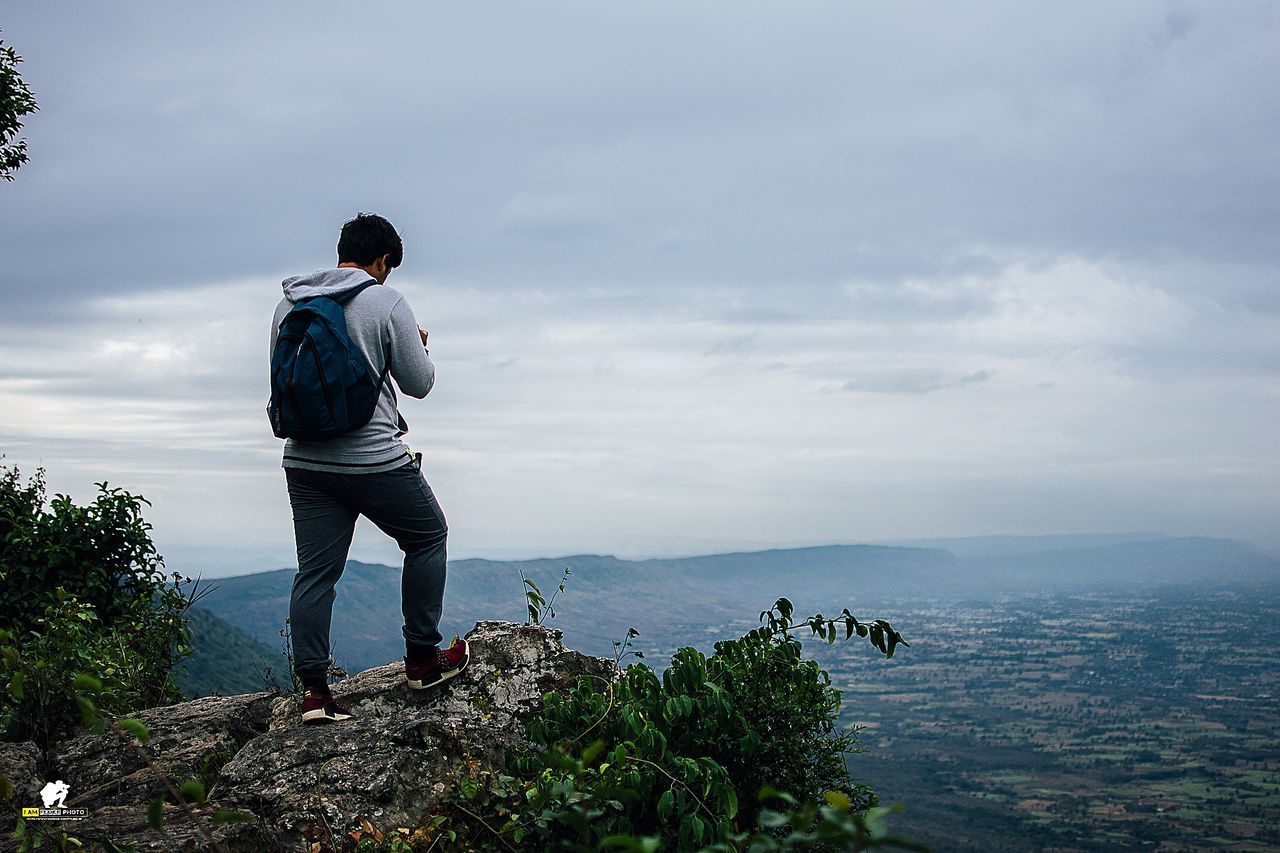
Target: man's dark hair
x=367, y=238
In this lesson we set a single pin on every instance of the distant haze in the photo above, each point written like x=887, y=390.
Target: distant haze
x=684, y=597
x=698, y=277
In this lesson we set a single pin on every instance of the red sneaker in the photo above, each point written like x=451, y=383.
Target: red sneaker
x=320, y=708
x=446, y=665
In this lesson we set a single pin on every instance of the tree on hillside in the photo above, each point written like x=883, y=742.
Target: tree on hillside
x=16, y=101
x=82, y=593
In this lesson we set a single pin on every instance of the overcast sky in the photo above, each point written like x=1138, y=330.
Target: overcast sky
x=698, y=276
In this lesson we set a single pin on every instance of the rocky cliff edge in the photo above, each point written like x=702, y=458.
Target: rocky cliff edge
x=389, y=766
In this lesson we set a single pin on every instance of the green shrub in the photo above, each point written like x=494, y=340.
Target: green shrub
x=129, y=660
x=120, y=626
x=102, y=551
x=677, y=761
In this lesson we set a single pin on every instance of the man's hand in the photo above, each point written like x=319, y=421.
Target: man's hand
x=423, y=333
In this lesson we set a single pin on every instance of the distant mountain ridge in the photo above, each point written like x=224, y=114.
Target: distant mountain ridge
x=676, y=599
x=1165, y=561
x=1011, y=545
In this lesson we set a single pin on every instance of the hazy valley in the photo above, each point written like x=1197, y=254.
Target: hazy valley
x=1074, y=693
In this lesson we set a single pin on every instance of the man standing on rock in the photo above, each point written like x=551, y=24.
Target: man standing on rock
x=338, y=339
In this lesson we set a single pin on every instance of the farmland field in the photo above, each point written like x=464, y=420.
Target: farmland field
x=1099, y=721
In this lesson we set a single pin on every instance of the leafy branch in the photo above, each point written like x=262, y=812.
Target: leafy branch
x=881, y=634
x=673, y=759
x=16, y=101
x=541, y=608
x=621, y=647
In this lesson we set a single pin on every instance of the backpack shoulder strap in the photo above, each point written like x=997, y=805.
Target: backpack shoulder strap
x=351, y=294
x=402, y=425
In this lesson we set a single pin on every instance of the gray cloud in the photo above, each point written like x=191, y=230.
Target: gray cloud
x=854, y=142
x=913, y=381
x=554, y=219
x=655, y=245
x=735, y=345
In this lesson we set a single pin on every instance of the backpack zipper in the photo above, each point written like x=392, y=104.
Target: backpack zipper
x=288, y=384
x=328, y=399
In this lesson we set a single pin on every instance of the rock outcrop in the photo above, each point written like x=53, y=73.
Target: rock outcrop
x=389, y=765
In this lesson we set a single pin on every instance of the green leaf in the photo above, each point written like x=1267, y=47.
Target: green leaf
x=665, y=803
x=135, y=728
x=15, y=684
x=644, y=844
x=193, y=790
x=230, y=816
x=87, y=711
x=769, y=793
x=838, y=800
x=86, y=682
x=784, y=607
x=155, y=813
x=592, y=750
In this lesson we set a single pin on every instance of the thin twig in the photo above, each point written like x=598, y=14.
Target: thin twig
x=603, y=716
x=315, y=793
x=165, y=780
x=333, y=842
x=481, y=820
x=559, y=589
x=664, y=772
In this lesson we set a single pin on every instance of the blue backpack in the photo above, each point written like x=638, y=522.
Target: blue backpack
x=321, y=386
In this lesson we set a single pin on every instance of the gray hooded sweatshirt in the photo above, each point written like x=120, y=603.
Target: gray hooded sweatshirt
x=382, y=325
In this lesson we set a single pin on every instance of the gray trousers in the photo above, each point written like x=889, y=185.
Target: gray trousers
x=325, y=508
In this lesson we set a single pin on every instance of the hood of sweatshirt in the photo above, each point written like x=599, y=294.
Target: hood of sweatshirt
x=334, y=282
